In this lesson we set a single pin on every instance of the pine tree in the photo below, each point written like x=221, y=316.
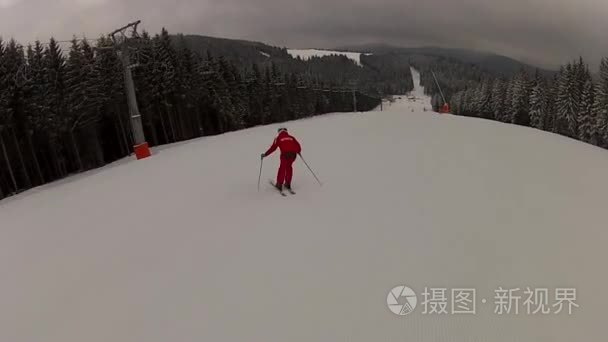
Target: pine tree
x=456, y=103
x=538, y=103
x=497, y=104
x=92, y=78
x=75, y=91
x=164, y=82
x=235, y=94
x=582, y=77
x=484, y=100
x=5, y=85
x=255, y=93
x=112, y=99
x=5, y=119
x=2, y=76
x=587, y=118
x=470, y=107
x=568, y=101
x=169, y=84
x=13, y=79
x=82, y=100
x=520, y=101
x=34, y=91
x=224, y=99
x=146, y=75
x=186, y=91
x=4, y=92
x=509, y=89
x=19, y=117
x=600, y=108
x=551, y=113
x=12, y=105
x=55, y=88
x=75, y=99
x=34, y=101
x=55, y=106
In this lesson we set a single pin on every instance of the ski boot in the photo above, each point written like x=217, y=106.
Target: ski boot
x=288, y=188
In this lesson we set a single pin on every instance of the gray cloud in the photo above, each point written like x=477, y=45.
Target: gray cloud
x=543, y=32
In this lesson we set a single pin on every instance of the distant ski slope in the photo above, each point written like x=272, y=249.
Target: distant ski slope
x=182, y=246
x=306, y=54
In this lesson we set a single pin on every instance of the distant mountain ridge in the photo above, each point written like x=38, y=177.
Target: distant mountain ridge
x=491, y=62
x=373, y=75
x=245, y=52
x=240, y=51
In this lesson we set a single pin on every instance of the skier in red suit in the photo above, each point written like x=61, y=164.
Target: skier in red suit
x=290, y=148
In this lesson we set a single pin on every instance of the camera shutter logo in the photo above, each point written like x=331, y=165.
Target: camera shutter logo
x=401, y=300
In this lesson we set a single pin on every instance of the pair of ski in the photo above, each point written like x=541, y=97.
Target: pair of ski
x=282, y=192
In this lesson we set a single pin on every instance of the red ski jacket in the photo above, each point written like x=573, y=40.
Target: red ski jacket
x=288, y=145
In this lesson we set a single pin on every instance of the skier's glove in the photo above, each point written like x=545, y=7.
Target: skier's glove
x=263, y=155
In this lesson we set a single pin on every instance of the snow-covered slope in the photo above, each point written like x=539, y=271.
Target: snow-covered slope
x=306, y=54
x=182, y=246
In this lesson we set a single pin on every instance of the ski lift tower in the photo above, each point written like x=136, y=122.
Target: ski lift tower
x=353, y=86
x=123, y=45
x=446, y=107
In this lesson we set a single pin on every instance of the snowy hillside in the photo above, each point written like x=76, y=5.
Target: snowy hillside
x=306, y=54
x=182, y=246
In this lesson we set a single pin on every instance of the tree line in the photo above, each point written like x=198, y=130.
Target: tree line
x=66, y=112
x=452, y=76
x=382, y=73
x=571, y=103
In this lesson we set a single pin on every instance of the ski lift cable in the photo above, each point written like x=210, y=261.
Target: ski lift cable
x=438, y=86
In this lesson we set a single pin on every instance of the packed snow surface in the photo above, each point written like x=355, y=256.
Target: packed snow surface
x=182, y=246
x=306, y=54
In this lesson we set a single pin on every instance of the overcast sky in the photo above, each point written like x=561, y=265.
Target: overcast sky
x=542, y=32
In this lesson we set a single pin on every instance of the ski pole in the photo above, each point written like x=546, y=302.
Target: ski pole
x=260, y=176
x=311, y=171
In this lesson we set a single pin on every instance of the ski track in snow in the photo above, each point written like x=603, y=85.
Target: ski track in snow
x=306, y=54
x=182, y=246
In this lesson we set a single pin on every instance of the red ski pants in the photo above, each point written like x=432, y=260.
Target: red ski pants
x=285, y=171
